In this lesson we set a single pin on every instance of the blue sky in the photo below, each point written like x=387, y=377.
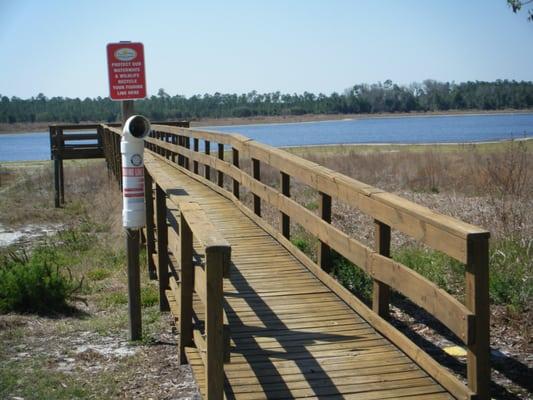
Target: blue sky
x=195, y=47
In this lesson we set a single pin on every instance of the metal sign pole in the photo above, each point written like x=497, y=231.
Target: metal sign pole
x=132, y=247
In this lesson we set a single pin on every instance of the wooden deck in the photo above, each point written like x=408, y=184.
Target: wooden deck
x=291, y=336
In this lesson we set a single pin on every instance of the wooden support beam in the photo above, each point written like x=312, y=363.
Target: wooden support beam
x=477, y=300
x=150, y=226
x=207, y=168
x=187, y=145
x=162, y=247
x=216, y=258
x=285, y=219
x=324, y=251
x=56, y=183
x=186, y=287
x=236, y=188
x=381, y=291
x=220, y=174
x=256, y=172
x=196, y=146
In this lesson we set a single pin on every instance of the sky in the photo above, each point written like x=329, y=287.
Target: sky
x=194, y=47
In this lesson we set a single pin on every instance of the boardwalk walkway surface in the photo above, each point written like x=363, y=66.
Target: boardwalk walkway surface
x=291, y=336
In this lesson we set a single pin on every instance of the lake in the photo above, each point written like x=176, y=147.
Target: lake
x=410, y=129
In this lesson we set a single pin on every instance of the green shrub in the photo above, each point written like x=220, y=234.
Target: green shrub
x=302, y=244
x=98, y=274
x=352, y=277
x=114, y=299
x=35, y=284
x=149, y=296
x=511, y=274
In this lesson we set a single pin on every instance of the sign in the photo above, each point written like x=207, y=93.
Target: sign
x=125, y=65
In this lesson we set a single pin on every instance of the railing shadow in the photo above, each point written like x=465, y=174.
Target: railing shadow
x=290, y=342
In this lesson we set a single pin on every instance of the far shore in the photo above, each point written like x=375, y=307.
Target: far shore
x=276, y=119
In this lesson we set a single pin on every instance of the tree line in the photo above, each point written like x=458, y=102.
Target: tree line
x=430, y=95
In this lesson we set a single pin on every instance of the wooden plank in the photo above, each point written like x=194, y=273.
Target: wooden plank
x=150, y=226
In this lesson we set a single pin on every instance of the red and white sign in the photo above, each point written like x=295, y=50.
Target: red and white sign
x=125, y=65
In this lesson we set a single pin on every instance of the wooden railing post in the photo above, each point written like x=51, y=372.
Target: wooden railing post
x=256, y=171
x=207, y=168
x=162, y=247
x=381, y=291
x=196, y=146
x=324, y=251
x=181, y=158
x=285, y=219
x=477, y=300
x=187, y=144
x=216, y=257
x=236, y=188
x=186, y=286
x=150, y=239
x=220, y=175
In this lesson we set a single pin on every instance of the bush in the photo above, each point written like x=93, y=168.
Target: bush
x=35, y=284
x=352, y=277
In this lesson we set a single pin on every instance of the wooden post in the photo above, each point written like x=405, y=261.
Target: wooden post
x=214, y=266
x=56, y=182
x=285, y=219
x=174, y=141
x=324, y=251
x=181, y=158
x=195, y=148
x=256, y=171
x=185, y=287
x=220, y=175
x=188, y=146
x=381, y=291
x=162, y=246
x=132, y=245
x=150, y=239
x=61, y=182
x=477, y=300
x=207, y=168
x=236, y=189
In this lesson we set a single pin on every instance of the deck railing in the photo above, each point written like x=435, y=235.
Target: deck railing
x=189, y=258
x=469, y=321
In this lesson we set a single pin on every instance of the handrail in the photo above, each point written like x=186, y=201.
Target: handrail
x=180, y=223
x=462, y=241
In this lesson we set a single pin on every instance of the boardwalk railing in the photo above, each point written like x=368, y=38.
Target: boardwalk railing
x=190, y=277
x=469, y=321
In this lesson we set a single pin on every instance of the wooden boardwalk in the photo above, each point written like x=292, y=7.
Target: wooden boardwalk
x=291, y=336
x=256, y=317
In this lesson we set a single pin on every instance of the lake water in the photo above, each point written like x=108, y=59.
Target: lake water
x=416, y=129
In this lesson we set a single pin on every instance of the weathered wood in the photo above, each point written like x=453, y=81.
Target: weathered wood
x=207, y=168
x=376, y=262
x=381, y=291
x=186, y=287
x=150, y=226
x=286, y=191
x=256, y=172
x=477, y=300
x=134, y=284
x=324, y=251
x=235, y=159
x=196, y=147
x=162, y=246
x=216, y=259
x=220, y=174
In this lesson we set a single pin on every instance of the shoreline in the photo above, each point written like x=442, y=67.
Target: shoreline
x=344, y=146
x=29, y=127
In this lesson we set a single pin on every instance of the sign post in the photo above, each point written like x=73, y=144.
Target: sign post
x=127, y=82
